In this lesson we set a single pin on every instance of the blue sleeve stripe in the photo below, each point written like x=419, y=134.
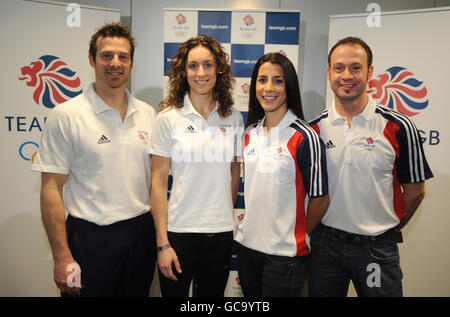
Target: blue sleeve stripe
x=316, y=178
x=415, y=150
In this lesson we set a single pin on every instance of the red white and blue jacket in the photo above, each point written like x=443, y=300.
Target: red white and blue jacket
x=280, y=170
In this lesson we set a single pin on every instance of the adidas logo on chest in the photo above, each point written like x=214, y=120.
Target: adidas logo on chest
x=190, y=129
x=103, y=139
x=330, y=145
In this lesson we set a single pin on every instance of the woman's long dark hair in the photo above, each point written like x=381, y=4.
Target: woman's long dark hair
x=293, y=99
x=178, y=84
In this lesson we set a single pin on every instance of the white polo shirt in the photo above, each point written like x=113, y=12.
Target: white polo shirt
x=106, y=160
x=366, y=163
x=201, y=152
x=280, y=170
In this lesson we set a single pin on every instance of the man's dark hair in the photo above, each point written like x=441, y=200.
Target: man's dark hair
x=353, y=41
x=112, y=30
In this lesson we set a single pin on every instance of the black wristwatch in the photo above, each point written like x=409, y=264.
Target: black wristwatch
x=163, y=247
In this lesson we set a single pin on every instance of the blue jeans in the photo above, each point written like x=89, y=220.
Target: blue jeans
x=267, y=275
x=205, y=259
x=373, y=266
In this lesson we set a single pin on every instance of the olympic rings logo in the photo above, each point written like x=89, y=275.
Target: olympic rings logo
x=248, y=35
x=26, y=148
x=180, y=33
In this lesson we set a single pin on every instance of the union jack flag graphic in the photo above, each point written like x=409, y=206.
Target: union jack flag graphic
x=245, y=88
x=248, y=20
x=181, y=19
x=54, y=81
x=282, y=52
x=398, y=89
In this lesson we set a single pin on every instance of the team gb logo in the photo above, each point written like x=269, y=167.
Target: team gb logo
x=53, y=80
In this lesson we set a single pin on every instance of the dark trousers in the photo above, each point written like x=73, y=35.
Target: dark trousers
x=371, y=263
x=204, y=259
x=115, y=260
x=264, y=275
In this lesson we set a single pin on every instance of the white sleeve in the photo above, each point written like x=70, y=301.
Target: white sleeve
x=160, y=140
x=238, y=146
x=152, y=126
x=151, y=114
x=56, y=148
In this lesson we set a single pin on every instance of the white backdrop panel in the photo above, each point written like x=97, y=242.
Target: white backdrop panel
x=411, y=49
x=39, y=47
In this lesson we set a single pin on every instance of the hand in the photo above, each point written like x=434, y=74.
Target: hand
x=165, y=259
x=67, y=275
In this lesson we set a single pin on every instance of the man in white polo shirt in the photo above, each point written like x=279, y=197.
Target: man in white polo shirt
x=376, y=175
x=95, y=162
